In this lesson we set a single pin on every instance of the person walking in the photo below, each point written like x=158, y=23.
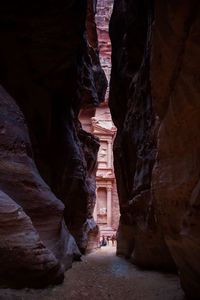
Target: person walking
x=113, y=239
x=108, y=240
x=104, y=242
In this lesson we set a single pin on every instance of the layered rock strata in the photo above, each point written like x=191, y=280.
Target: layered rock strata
x=36, y=246
x=104, y=11
x=51, y=71
x=154, y=100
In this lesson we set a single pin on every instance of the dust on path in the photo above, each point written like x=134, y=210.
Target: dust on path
x=103, y=275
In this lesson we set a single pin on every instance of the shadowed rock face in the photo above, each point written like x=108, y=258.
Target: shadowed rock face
x=36, y=246
x=175, y=178
x=154, y=100
x=51, y=70
x=38, y=265
x=135, y=147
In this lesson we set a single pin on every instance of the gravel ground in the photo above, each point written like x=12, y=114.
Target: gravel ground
x=103, y=275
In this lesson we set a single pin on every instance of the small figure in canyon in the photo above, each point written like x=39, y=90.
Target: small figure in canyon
x=113, y=239
x=104, y=242
x=108, y=240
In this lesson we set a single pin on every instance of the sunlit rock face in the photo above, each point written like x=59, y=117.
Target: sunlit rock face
x=106, y=211
x=51, y=70
x=154, y=100
x=104, y=11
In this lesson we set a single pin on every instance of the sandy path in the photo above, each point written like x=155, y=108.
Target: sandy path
x=103, y=275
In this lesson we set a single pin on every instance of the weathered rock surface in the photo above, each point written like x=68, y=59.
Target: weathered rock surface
x=99, y=79
x=79, y=214
x=176, y=177
x=135, y=147
x=51, y=70
x=24, y=257
x=35, y=245
x=104, y=11
x=154, y=100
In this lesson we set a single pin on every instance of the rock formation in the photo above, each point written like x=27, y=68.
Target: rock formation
x=51, y=70
x=98, y=121
x=154, y=100
x=104, y=11
x=35, y=244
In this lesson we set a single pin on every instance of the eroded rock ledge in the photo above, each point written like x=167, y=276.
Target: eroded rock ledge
x=154, y=100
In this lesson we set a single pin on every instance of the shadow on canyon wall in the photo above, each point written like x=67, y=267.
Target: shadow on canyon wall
x=154, y=100
x=49, y=70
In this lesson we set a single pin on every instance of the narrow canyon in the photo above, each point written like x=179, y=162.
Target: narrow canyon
x=100, y=135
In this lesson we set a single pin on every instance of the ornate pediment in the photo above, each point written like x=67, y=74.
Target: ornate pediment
x=100, y=127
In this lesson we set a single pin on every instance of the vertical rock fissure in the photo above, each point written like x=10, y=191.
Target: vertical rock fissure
x=99, y=122
x=52, y=71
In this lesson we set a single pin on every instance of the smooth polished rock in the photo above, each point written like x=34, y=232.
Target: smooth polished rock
x=49, y=64
x=154, y=100
x=36, y=246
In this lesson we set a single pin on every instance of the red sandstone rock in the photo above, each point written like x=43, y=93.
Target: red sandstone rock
x=175, y=178
x=80, y=221
x=104, y=10
x=35, y=244
x=79, y=189
x=154, y=101
x=51, y=70
x=24, y=258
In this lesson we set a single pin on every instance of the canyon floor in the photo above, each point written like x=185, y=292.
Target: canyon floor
x=103, y=275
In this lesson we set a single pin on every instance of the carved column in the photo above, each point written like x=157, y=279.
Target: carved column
x=109, y=154
x=109, y=206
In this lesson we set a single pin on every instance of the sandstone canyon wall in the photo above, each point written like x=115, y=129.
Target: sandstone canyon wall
x=51, y=71
x=104, y=11
x=154, y=100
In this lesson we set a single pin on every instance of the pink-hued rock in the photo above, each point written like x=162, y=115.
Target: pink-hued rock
x=81, y=223
x=51, y=70
x=103, y=14
x=175, y=177
x=79, y=188
x=154, y=100
x=106, y=212
x=24, y=257
x=29, y=210
x=107, y=203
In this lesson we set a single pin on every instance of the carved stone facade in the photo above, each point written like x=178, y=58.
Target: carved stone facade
x=106, y=212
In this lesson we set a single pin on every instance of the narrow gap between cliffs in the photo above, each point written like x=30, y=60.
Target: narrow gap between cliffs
x=98, y=121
